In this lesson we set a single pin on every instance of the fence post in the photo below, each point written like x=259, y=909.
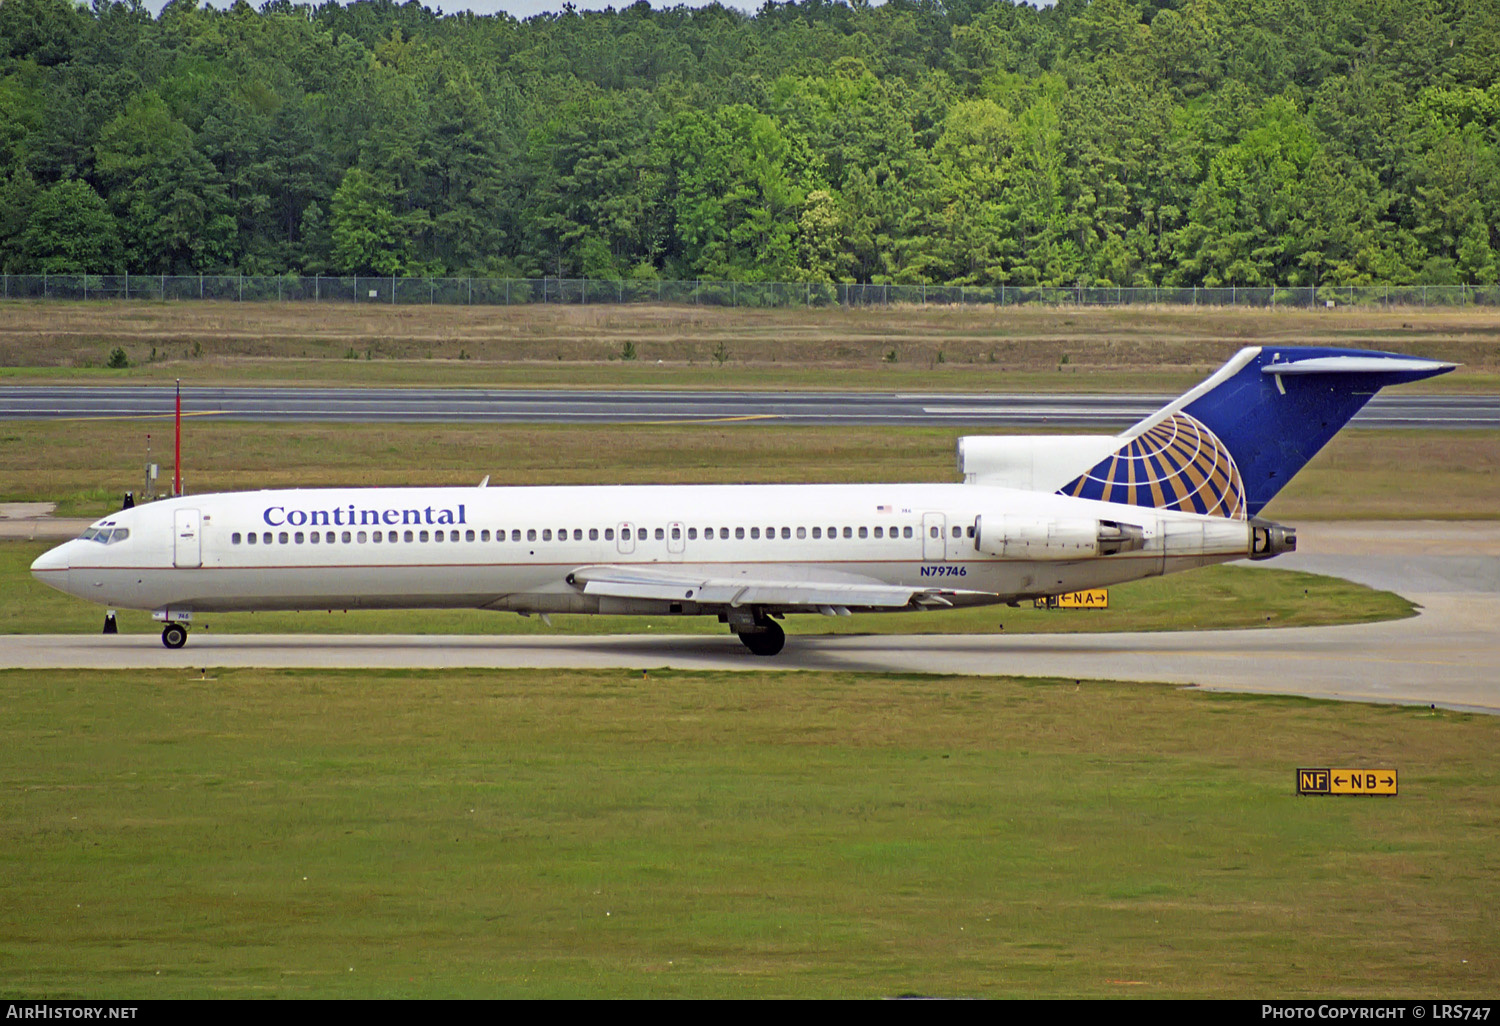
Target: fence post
x=393, y=290
x=200, y=284
x=242, y=288
x=317, y=288
x=127, y=284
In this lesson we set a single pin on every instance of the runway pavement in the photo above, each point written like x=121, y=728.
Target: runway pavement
x=1448, y=656
x=262, y=403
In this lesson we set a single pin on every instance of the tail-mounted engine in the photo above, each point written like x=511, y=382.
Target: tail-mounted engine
x=1062, y=538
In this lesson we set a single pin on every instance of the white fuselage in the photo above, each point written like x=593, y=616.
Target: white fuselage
x=515, y=548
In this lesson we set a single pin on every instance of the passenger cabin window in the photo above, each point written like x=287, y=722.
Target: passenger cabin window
x=692, y=534
x=609, y=534
x=848, y=532
x=755, y=532
x=593, y=534
x=660, y=534
x=422, y=535
x=234, y=539
x=817, y=532
x=739, y=532
x=801, y=532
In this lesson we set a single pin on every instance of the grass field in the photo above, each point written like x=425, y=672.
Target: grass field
x=86, y=466
x=1007, y=349
x=1211, y=598
x=598, y=834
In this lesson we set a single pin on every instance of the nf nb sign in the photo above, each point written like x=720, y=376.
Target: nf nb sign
x=1346, y=781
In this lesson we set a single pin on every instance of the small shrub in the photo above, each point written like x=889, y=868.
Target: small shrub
x=627, y=351
x=118, y=359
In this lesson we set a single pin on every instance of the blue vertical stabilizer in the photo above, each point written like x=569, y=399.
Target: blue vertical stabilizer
x=1228, y=446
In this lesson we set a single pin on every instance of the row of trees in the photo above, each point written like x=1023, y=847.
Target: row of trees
x=1131, y=142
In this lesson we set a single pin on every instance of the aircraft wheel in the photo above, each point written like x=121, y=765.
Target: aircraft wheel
x=174, y=635
x=767, y=642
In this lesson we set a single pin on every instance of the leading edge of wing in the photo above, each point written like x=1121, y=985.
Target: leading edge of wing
x=746, y=590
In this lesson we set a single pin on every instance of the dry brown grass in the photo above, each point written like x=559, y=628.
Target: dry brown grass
x=494, y=341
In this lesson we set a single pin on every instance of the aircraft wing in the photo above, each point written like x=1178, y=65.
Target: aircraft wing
x=834, y=594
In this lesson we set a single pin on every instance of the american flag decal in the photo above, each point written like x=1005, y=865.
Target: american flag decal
x=882, y=509
x=1179, y=464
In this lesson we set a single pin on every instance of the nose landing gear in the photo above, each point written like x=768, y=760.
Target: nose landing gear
x=174, y=635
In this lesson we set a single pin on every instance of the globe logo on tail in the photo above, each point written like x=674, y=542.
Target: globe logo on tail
x=1179, y=464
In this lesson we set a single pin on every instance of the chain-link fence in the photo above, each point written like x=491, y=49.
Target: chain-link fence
x=584, y=291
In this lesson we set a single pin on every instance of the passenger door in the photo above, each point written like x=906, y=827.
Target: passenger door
x=187, y=535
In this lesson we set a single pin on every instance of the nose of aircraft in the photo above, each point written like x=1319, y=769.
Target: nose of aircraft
x=49, y=564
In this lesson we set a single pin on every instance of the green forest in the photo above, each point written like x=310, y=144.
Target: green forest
x=974, y=142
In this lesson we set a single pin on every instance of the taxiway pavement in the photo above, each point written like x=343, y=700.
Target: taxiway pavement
x=1101, y=412
x=1448, y=655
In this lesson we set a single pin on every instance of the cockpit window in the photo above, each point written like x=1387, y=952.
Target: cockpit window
x=105, y=535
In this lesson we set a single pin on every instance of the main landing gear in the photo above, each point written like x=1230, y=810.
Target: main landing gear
x=765, y=638
x=174, y=635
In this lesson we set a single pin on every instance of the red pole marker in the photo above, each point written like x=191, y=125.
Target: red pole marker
x=177, y=452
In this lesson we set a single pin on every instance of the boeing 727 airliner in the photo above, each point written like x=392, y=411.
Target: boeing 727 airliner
x=1035, y=516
